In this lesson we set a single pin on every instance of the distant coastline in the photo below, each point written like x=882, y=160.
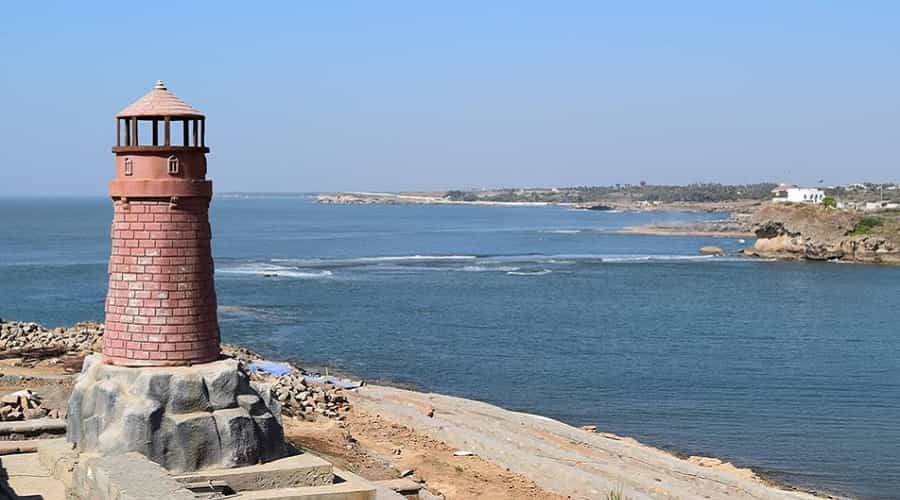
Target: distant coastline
x=364, y=198
x=610, y=204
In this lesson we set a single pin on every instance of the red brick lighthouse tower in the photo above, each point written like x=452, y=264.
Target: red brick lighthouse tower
x=161, y=304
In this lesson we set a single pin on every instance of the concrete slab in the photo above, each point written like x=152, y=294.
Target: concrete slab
x=342, y=491
x=129, y=476
x=381, y=492
x=24, y=476
x=59, y=457
x=403, y=485
x=299, y=470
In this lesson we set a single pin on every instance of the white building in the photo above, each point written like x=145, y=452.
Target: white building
x=873, y=206
x=794, y=194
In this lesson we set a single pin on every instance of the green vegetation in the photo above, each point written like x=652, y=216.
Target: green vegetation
x=457, y=195
x=691, y=193
x=829, y=202
x=866, y=225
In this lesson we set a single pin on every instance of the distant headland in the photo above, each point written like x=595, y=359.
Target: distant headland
x=706, y=197
x=852, y=223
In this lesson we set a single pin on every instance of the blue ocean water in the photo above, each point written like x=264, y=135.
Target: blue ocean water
x=790, y=368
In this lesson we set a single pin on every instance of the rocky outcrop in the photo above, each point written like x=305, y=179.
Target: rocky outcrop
x=818, y=233
x=184, y=418
x=712, y=250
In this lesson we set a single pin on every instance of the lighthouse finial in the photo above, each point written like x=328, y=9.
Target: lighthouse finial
x=160, y=85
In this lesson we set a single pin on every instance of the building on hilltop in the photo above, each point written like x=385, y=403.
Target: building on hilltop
x=793, y=194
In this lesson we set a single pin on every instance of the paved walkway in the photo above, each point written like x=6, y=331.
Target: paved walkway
x=23, y=477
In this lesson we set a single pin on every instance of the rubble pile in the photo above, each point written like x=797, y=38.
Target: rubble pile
x=301, y=395
x=302, y=399
x=24, y=405
x=15, y=336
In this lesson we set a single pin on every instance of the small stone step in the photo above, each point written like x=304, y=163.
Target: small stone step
x=403, y=485
x=299, y=470
x=348, y=490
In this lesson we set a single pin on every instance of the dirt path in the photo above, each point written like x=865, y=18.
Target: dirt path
x=561, y=458
x=376, y=449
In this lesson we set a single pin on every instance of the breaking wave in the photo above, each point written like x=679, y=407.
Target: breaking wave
x=384, y=259
x=513, y=265
x=486, y=269
x=530, y=273
x=271, y=270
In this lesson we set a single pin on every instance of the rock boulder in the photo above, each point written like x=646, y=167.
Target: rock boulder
x=184, y=418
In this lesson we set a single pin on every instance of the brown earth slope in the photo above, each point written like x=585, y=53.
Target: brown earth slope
x=814, y=232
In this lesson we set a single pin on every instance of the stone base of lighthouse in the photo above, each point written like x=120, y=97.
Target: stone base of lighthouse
x=184, y=418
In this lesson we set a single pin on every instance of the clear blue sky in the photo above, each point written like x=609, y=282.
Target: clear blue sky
x=428, y=95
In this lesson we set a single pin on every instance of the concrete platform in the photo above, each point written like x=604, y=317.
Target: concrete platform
x=23, y=476
x=88, y=476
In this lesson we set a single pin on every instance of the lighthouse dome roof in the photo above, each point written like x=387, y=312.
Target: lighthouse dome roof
x=159, y=102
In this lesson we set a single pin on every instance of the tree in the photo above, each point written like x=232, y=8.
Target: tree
x=829, y=202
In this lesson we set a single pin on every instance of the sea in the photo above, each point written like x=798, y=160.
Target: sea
x=791, y=368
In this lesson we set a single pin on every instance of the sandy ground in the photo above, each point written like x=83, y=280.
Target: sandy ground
x=560, y=458
x=50, y=382
x=377, y=449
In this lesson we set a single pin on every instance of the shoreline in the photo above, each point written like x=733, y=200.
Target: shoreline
x=420, y=399
x=652, y=230
x=556, y=456
x=413, y=401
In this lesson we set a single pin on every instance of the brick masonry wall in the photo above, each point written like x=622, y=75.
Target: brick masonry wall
x=161, y=304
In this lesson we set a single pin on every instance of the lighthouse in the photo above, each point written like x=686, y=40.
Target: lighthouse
x=160, y=387
x=161, y=303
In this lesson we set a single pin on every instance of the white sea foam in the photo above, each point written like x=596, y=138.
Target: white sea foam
x=262, y=269
x=657, y=258
x=530, y=273
x=318, y=268
x=487, y=269
x=376, y=260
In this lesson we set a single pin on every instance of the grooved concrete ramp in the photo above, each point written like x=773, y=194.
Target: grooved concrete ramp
x=561, y=458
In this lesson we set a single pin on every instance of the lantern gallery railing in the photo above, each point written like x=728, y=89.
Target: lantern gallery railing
x=165, y=131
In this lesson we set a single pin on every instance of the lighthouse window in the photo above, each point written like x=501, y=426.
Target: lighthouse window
x=129, y=167
x=173, y=165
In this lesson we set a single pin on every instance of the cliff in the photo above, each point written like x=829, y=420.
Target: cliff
x=792, y=231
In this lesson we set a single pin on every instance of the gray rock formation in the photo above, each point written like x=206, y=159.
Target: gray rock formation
x=184, y=418
x=712, y=250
